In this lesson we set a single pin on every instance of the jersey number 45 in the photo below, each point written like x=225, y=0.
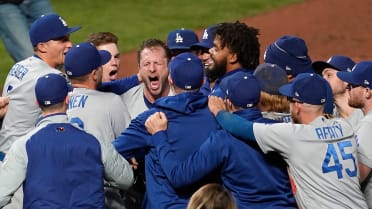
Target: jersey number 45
x=332, y=163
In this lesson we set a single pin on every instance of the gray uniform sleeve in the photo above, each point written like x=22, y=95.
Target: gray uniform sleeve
x=271, y=137
x=120, y=118
x=118, y=172
x=363, y=134
x=12, y=171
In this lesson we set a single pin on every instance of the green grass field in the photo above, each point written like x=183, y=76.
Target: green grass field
x=134, y=21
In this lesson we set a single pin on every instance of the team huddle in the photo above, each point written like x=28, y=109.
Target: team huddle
x=201, y=117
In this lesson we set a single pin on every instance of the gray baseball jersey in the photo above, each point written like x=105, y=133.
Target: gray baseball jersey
x=22, y=111
x=355, y=118
x=102, y=114
x=363, y=134
x=322, y=160
x=134, y=100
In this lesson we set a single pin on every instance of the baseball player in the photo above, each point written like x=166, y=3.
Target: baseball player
x=153, y=57
x=272, y=104
x=255, y=180
x=329, y=69
x=50, y=37
x=359, y=84
x=232, y=53
x=321, y=153
x=58, y=164
x=102, y=114
x=109, y=42
x=187, y=112
x=202, y=50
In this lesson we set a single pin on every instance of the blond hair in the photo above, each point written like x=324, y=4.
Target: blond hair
x=273, y=103
x=212, y=196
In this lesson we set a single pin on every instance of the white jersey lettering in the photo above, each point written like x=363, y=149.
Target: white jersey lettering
x=77, y=101
x=329, y=132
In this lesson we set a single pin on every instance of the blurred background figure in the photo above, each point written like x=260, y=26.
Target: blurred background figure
x=16, y=17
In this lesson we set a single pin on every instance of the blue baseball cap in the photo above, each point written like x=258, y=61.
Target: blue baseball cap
x=360, y=75
x=290, y=53
x=207, y=38
x=51, y=89
x=337, y=62
x=309, y=88
x=271, y=77
x=181, y=39
x=241, y=88
x=49, y=27
x=186, y=71
x=83, y=58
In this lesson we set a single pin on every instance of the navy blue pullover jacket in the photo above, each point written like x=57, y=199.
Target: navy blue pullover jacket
x=189, y=123
x=256, y=180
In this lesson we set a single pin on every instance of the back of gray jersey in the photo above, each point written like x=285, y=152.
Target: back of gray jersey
x=102, y=114
x=355, y=118
x=363, y=134
x=22, y=112
x=322, y=160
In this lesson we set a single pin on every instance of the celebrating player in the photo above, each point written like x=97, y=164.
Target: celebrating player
x=58, y=164
x=321, y=153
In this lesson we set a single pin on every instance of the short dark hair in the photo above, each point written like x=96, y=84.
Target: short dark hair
x=153, y=42
x=242, y=40
x=102, y=38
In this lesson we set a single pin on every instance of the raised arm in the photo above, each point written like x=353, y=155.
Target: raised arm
x=233, y=123
x=120, y=86
x=202, y=162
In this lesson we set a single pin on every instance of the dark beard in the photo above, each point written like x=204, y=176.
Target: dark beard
x=217, y=72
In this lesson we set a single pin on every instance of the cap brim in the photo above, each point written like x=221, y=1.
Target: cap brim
x=73, y=29
x=319, y=66
x=105, y=56
x=179, y=47
x=347, y=77
x=201, y=44
x=287, y=90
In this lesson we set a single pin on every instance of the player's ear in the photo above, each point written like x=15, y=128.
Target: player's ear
x=41, y=47
x=170, y=80
x=67, y=99
x=233, y=58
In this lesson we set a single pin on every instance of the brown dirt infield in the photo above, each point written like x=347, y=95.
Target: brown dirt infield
x=328, y=27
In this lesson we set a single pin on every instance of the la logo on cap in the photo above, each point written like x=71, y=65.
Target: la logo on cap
x=179, y=38
x=63, y=21
x=205, y=34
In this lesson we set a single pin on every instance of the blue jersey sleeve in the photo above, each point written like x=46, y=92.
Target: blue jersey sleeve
x=207, y=158
x=135, y=139
x=236, y=125
x=120, y=86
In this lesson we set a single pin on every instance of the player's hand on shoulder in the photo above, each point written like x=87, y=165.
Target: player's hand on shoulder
x=216, y=104
x=156, y=122
x=4, y=101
